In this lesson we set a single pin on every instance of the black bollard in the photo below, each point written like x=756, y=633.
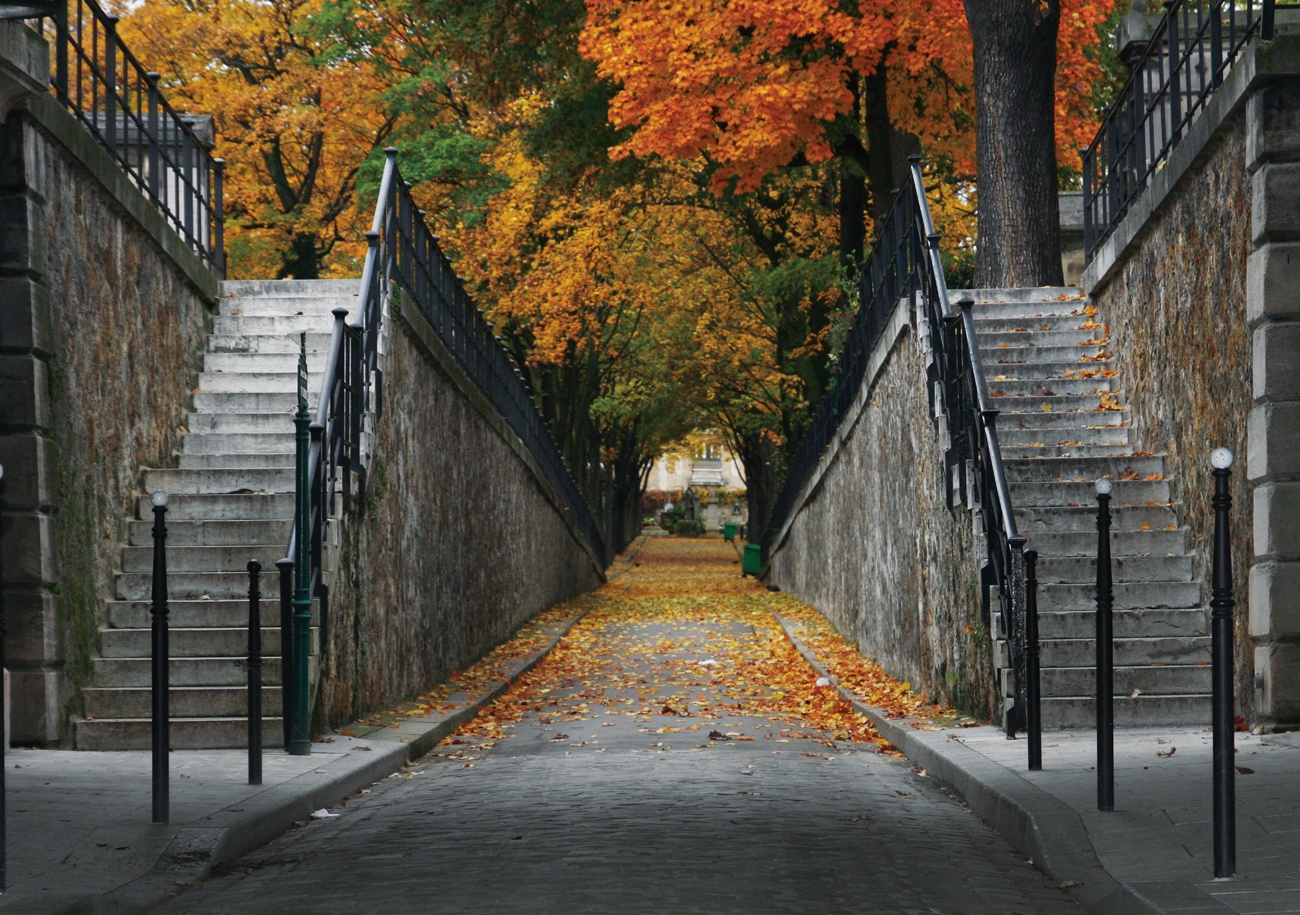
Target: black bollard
x=161, y=685
x=1105, y=655
x=286, y=642
x=1033, y=692
x=1221, y=604
x=254, y=674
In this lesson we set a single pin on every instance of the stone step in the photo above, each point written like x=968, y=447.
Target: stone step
x=276, y=306
x=256, y=382
x=1029, y=334
x=184, y=702
x=211, y=533
x=1042, y=353
x=1066, y=597
x=241, y=422
x=317, y=342
x=262, y=363
x=1126, y=624
x=231, y=289
x=1010, y=433
x=209, y=507
x=1028, y=414
x=1123, y=492
x=1046, y=371
x=185, y=733
x=1061, y=394
x=278, y=326
x=186, y=643
x=1038, y=451
x=1017, y=302
x=219, y=481
x=205, y=558
x=1136, y=652
x=1088, y=468
x=268, y=460
x=1124, y=568
x=1170, y=679
x=240, y=442
x=201, y=614
x=1147, y=710
x=278, y=402
x=138, y=672
x=184, y=585
x=1084, y=543
x=1036, y=520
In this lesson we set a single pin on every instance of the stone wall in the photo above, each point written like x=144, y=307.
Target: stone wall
x=427, y=581
x=103, y=322
x=1175, y=304
x=876, y=551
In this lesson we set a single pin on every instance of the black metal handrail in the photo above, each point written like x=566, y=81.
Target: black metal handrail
x=165, y=153
x=904, y=265
x=404, y=253
x=1185, y=61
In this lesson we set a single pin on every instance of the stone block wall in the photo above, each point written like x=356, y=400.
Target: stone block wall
x=103, y=321
x=427, y=580
x=876, y=551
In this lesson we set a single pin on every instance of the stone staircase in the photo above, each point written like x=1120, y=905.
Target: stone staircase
x=231, y=501
x=1063, y=425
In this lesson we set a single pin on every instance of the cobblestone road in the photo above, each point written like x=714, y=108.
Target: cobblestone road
x=637, y=786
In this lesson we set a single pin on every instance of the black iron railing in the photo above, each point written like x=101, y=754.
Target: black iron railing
x=1185, y=61
x=405, y=255
x=904, y=266
x=166, y=154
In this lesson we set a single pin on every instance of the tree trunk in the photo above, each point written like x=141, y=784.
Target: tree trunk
x=1015, y=68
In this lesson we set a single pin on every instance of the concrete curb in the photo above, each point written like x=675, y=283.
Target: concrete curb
x=229, y=834
x=1042, y=828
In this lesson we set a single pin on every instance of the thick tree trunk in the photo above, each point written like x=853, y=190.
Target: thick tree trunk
x=1015, y=68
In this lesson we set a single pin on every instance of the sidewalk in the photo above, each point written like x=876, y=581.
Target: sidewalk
x=80, y=836
x=1154, y=852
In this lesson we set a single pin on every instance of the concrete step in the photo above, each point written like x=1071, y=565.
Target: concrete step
x=1036, y=520
x=256, y=382
x=1037, y=451
x=1126, y=624
x=210, y=507
x=1066, y=332
x=318, y=342
x=1083, y=569
x=262, y=363
x=1135, y=652
x=241, y=422
x=1088, y=468
x=269, y=460
x=1070, y=393
x=281, y=327
x=219, y=481
x=185, y=702
x=1084, y=543
x=184, y=585
x=1046, y=371
x=1040, y=353
x=1172, y=679
x=185, y=733
x=279, y=402
x=211, y=533
x=138, y=672
x=1020, y=413
x=1066, y=597
x=320, y=307
x=205, y=558
x=200, y=614
x=186, y=643
x=1011, y=433
x=1147, y=710
x=240, y=442
x=1123, y=492
x=231, y=289
x=1014, y=302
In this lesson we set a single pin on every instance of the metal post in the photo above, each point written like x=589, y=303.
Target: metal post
x=1221, y=604
x=254, y=673
x=1088, y=162
x=61, y=41
x=154, y=168
x=1033, y=694
x=1266, y=21
x=110, y=83
x=1105, y=655
x=299, y=739
x=219, y=216
x=4, y=745
x=286, y=642
x=161, y=659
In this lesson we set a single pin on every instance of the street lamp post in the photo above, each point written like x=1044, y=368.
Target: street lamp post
x=1105, y=655
x=161, y=684
x=1221, y=604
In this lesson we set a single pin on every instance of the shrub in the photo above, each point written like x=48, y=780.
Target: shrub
x=688, y=528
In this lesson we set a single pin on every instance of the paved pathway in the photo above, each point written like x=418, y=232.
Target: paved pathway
x=656, y=762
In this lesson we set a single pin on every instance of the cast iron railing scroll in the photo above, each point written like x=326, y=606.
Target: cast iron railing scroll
x=904, y=265
x=116, y=98
x=1186, y=60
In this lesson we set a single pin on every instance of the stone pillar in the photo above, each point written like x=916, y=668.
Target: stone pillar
x=1273, y=438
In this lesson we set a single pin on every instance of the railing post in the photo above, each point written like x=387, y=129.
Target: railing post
x=1175, y=92
x=110, y=82
x=285, y=566
x=61, y=40
x=1016, y=596
x=4, y=744
x=1215, y=12
x=254, y=673
x=219, y=216
x=1266, y=21
x=299, y=738
x=1105, y=655
x=1088, y=163
x=1033, y=691
x=161, y=658
x=1221, y=604
x=151, y=78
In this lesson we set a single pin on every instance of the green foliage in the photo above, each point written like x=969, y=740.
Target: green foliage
x=688, y=528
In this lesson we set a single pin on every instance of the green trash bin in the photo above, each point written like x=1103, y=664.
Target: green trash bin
x=729, y=531
x=752, y=562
